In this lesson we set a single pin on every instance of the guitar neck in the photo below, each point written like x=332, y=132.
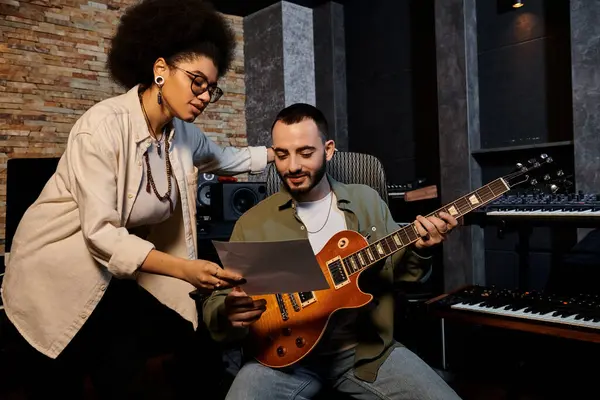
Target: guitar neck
x=408, y=234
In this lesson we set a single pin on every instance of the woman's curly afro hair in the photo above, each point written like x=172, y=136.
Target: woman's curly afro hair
x=177, y=30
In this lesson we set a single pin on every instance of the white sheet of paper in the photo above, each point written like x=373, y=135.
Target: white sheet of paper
x=288, y=266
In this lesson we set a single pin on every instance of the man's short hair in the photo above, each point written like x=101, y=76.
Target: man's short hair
x=301, y=111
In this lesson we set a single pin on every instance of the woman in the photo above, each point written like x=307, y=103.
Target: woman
x=121, y=206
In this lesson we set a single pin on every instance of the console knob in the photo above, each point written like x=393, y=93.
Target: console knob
x=300, y=342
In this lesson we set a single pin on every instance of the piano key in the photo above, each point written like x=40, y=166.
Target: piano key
x=588, y=212
x=507, y=311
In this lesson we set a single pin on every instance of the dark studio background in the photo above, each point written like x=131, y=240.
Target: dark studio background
x=391, y=86
x=452, y=93
x=506, y=98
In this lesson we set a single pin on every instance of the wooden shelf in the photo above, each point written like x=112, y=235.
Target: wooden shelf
x=495, y=150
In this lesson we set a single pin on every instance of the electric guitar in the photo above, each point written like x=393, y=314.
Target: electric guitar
x=293, y=323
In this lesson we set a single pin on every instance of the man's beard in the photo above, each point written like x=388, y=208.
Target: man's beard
x=313, y=178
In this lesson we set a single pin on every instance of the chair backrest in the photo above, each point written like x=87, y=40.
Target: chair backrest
x=345, y=167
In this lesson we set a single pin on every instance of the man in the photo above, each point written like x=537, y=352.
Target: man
x=357, y=354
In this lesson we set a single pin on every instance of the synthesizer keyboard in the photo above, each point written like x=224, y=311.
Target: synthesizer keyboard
x=573, y=205
x=579, y=312
x=583, y=209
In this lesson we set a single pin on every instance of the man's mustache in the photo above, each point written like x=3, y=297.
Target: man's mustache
x=292, y=176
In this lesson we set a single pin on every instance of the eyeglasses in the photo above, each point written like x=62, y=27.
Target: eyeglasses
x=200, y=85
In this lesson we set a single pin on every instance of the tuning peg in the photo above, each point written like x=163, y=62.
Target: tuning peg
x=549, y=160
x=560, y=172
x=519, y=165
x=531, y=161
x=544, y=156
x=534, y=182
x=553, y=188
x=547, y=177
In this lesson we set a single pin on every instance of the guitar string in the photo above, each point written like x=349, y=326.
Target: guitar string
x=286, y=298
x=387, y=237
x=287, y=301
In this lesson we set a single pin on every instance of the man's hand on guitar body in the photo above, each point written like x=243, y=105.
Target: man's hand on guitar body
x=241, y=310
x=434, y=230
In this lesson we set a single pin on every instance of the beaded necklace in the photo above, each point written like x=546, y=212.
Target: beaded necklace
x=150, y=184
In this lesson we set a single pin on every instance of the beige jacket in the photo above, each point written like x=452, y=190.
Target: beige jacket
x=73, y=240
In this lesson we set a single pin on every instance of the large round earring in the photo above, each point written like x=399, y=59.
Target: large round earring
x=159, y=80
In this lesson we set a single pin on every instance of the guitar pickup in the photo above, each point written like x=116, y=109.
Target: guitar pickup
x=337, y=272
x=307, y=298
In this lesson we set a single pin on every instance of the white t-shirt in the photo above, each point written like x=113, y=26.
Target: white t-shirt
x=323, y=219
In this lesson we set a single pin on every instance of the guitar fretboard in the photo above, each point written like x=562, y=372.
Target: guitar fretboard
x=408, y=234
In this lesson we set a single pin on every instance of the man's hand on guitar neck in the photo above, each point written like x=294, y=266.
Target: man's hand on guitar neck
x=241, y=310
x=433, y=230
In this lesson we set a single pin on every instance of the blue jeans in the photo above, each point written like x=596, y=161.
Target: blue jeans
x=403, y=375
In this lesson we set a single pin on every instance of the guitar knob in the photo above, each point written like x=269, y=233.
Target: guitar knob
x=286, y=331
x=281, y=351
x=300, y=342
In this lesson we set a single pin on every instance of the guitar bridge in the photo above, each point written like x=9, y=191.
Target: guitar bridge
x=282, y=308
x=295, y=304
x=337, y=272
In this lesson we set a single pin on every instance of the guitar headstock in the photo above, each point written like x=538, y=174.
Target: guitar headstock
x=536, y=172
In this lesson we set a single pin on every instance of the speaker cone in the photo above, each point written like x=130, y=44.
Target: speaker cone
x=203, y=193
x=242, y=200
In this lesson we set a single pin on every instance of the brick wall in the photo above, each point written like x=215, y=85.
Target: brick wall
x=52, y=68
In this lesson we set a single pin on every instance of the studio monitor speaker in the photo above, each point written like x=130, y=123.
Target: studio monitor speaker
x=229, y=200
x=205, y=181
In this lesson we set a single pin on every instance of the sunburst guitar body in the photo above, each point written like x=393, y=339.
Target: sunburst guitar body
x=293, y=323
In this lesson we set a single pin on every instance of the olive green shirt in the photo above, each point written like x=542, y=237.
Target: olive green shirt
x=275, y=219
